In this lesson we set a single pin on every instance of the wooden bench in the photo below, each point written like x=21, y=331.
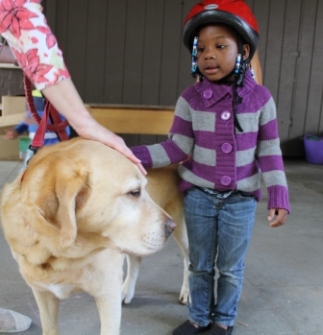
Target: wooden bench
x=137, y=120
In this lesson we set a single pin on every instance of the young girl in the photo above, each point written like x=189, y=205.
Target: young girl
x=225, y=131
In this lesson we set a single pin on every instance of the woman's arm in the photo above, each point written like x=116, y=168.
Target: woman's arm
x=36, y=50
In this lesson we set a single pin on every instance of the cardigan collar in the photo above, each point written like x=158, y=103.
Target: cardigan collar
x=212, y=92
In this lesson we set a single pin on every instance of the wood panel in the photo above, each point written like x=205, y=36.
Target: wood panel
x=131, y=52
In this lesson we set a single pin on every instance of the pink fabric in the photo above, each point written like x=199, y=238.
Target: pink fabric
x=24, y=26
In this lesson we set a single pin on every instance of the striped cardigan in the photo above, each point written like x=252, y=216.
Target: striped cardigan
x=216, y=154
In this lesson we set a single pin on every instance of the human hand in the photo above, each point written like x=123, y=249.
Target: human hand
x=10, y=134
x=117, y=143
x=281, y=217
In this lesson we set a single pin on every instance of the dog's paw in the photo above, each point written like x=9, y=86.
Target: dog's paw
x=184, y=297
x=127, y=294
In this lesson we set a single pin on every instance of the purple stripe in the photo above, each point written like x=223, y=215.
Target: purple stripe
x=143, y=154
x=268, y=131
x=205, y=139
x=201, y=170
x=246, y=141
x=175, y=154
x=182, y=127
x=247, y=171
x=278, y=197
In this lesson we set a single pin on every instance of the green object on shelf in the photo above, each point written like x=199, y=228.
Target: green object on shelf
x=24, y=143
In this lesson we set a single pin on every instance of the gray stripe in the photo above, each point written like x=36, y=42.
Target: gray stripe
x=274, y=178
x=192, y=178
x=250, y=122
x=184, y=143
x=204, y=156
x=158, y=155
x=269, y=148
x=245, y=157
x=182, y=109
x=203, y=121
x=249, y=184
x=268, y=112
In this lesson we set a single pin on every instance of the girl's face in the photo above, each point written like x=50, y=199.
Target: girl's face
x=217, y=51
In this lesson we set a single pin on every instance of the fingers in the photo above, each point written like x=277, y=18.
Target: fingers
x=118, y=144
x=278, y=215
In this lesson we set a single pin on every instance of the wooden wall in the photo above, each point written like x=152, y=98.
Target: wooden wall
x=131, y=52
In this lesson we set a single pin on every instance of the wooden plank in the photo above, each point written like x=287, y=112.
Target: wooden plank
x=95, y=51
x=134, y=40
x=303, y=74
x=115, y=52
x=184, y=70
x=314, y=115
x=76, y=46
x=123, y=120
x=151, y=62
x=289, y=58
x=170, y=56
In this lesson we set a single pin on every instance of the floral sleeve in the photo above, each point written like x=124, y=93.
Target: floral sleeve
x=24, y=26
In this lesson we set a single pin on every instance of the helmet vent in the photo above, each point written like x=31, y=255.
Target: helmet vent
x=211, y=7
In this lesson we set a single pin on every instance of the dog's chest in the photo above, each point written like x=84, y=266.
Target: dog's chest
x=62, y=291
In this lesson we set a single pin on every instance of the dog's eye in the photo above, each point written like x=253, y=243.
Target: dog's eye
x=135, y=193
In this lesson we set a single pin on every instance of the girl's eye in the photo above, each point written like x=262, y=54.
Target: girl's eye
x=200, y=49
x=220, y=46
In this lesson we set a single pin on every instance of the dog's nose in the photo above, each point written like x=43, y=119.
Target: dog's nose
x=169, y=226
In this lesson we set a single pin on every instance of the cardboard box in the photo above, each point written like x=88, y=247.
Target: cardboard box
x=13, y=105
x=9, y=149
x=11, y=120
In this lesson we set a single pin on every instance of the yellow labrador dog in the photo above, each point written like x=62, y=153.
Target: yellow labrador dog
x=163, y=188
x=69, y=219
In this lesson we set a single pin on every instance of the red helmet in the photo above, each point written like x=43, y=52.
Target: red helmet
x=234, y=13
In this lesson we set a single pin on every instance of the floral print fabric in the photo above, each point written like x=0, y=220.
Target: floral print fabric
x=24, y=26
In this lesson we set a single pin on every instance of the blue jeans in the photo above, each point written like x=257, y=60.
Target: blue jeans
x=219, y=232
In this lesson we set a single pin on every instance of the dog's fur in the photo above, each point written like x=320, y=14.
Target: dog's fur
x=163, y=188
x=69, y=219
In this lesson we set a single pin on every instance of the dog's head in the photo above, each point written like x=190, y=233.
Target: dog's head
x=81, y=189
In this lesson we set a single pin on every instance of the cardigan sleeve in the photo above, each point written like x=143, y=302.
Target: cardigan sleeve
x=177, y=147
x=270, y=158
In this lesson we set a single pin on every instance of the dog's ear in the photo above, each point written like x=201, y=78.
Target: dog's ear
x=54, y=215
x=71, y=195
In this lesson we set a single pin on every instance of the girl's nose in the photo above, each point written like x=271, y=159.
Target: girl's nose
x=209, y=54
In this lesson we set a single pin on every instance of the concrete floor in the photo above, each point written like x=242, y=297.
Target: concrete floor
x=283, y=290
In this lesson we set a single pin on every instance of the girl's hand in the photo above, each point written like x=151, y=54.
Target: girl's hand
x=280, y=219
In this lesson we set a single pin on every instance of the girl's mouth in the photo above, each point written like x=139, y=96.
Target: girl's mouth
x=211, y=69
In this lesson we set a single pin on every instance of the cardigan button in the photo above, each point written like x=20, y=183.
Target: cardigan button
x=225, y=180
x=225, y=115
x=226, y=148
x=207, y=94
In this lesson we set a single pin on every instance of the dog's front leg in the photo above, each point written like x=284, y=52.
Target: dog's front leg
x=48, y=305
x=110, y=313
x=108, y=292
x=129, y=285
